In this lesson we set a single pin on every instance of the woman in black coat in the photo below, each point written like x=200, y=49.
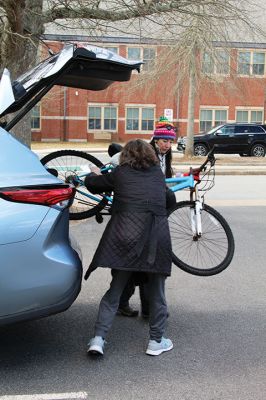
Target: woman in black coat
x=136, y=239
x=162, y=140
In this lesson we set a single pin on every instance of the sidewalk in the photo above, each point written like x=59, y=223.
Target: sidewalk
x=225, y=164
x=227, y=169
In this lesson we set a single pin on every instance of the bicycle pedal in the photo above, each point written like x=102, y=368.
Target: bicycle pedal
x=99, y=218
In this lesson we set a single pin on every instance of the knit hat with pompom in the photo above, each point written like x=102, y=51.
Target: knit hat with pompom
x=164, y=129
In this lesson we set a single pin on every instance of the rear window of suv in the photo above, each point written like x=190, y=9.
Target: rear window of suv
x=257, y=129
x=249, y=129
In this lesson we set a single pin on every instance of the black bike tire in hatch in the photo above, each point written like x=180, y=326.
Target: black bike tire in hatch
x=59, y=161
x=212, y=252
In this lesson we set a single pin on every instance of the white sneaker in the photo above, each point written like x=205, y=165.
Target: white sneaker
x=96, y=345
x=155, y=349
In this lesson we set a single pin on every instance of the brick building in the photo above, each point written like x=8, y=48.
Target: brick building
x=236, y=92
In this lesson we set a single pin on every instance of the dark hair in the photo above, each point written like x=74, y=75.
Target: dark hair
x=138, y=154
x=168, y=159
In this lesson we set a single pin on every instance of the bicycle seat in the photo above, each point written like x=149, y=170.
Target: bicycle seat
x=114, y=148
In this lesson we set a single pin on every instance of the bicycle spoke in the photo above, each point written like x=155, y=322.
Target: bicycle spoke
x=70, y=164
x=203, y=252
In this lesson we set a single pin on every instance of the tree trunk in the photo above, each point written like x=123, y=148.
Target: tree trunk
x=189, y=152
x=19, y=47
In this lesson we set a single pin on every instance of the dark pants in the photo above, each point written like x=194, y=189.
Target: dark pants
x=129, y=291
x=110, y=302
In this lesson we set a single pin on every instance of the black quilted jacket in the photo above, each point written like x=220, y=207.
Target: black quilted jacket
x=137, y=237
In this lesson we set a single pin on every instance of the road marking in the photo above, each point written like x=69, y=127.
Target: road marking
x=47, y=396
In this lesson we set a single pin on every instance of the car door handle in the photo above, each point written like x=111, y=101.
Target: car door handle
x=250, y=135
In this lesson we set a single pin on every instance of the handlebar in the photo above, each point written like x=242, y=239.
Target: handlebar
x=210, y=159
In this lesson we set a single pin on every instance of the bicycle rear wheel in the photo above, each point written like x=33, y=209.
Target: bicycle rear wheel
x=69, y=163
x=204, y=256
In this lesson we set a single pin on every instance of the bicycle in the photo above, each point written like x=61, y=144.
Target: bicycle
x=202, y=240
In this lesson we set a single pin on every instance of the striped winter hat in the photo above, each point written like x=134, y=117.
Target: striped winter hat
x=164, y=129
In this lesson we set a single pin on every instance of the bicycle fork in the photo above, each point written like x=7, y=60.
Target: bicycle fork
x=195, y=215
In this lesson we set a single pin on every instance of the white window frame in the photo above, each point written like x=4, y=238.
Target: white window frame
x=213, y=110
x=252, y=52
x=146, y=67
x=40, y=117
x=102, y=106
x=140, y=107
x=249, y=110
x=214, y=62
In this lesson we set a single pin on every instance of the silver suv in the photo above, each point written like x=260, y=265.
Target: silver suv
x=40, y=270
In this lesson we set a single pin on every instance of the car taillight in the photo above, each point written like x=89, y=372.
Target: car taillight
x=46, y=197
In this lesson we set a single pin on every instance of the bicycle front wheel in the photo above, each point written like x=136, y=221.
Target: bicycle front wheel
x=208, y=254
x=67, y=163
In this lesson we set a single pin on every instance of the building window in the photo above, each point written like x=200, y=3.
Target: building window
x=102, y=117
x=147, y=54
x=243, y=65
x=94, y=117
x=134, y=53
x=220, y=117
x=212, y=117
x=241, y=116
x=207, y=65
x=109, y=118
x=205, y=120
x=258, y=63
x=147, y=121
x=148, y=58
x=251, y=63
x=36, y=117
x=256, y=116
x=113, y=49
x=140, y=118
x=222, y=62
x=218, y=63
x=132, y=123
x=246, y=116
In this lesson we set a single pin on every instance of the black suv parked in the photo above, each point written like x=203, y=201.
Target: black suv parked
x=244, y=139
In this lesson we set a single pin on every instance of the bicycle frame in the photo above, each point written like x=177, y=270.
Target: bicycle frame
x=190, y=181
x=182, y=182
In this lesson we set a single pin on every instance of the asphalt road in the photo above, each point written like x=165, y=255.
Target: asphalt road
x=217, y=325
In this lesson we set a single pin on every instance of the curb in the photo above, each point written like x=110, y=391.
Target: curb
x=220, y=171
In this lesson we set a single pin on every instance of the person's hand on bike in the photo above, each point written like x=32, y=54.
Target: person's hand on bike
x=95, y=170
x=75, y=181
x=193, y=171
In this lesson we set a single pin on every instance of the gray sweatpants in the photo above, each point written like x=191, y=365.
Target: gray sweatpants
x=110, y=302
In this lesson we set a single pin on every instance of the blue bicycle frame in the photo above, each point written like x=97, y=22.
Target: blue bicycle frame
x=182, y=182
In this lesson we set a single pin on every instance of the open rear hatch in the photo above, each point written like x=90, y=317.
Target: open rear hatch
x=78, y=65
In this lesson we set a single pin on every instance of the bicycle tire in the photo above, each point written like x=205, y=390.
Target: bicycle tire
x=208, y=255
x=66, y=162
